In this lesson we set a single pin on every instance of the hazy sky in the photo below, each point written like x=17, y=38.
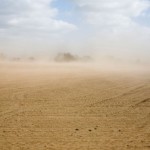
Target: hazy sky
x=96, y=27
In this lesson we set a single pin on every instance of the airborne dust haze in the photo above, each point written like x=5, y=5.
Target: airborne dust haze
x=104, y=31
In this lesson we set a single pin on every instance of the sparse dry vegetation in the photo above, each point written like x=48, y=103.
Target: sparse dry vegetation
x=2, y=57
x=68, y=57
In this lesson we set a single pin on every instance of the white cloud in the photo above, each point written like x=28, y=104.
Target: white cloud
x=31, y=17
x=116, y=27
x=112, y=14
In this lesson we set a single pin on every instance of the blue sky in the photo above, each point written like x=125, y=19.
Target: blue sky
x=63, y=5
x=68, y=11
x=144, y=19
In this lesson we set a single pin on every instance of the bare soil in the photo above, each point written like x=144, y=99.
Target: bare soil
x=73, y=107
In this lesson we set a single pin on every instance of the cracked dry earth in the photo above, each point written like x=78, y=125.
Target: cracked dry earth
x=73, y=107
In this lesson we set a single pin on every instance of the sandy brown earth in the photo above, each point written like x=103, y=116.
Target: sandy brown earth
x=73, y=107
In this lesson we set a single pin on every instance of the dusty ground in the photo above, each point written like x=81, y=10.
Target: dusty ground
x=72, y=107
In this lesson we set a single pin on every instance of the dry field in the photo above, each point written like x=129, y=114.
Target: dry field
x=73, y=107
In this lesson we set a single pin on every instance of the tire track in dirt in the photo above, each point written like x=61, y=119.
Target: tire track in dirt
x=142, y=102
x=129, y=92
